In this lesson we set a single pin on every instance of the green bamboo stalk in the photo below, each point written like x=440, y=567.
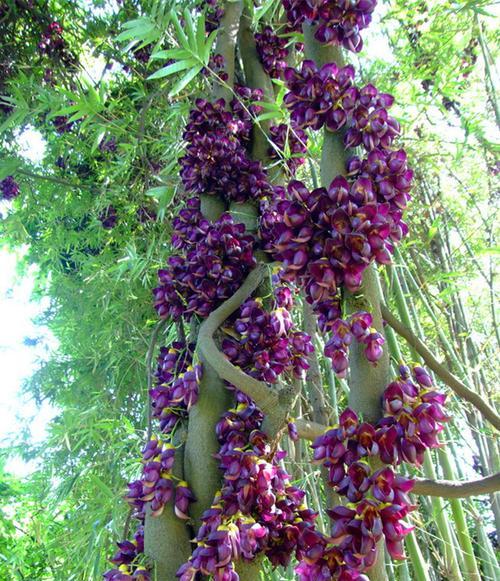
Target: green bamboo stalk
x=489, y=561
x=418, y=561
x=438, y=509
x=420, y=565
x=404, y=572
x=471, y=567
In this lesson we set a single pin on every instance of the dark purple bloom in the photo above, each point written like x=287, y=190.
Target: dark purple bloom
x=108, y=218
x=272, y=51
x=9, y=188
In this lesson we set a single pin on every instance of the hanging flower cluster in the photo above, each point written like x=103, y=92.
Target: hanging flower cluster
x=288, y=144
x=52, y=41
x=265, y=344
x=257, y=509
x=272, y=52
x=326, y=238
x=216, y=161
x=217, y=66
x=391, y=180
x=327, y=96
x=379, y=502
x=176, y=390
x=215, y=260
x=358, y=326
x=62, y=124
x=125, y=558
x=143, y=54
x=9, y=188
x=213, y=15
x=339, y=21
x=108, y=218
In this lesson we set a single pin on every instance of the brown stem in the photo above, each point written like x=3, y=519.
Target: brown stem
x=451, y=381
x=457, y=489
x=274, y=404
x=259, y=391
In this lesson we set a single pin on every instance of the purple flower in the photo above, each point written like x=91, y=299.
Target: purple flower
x=62, y=124
x=183, y=497
x=272, y=51
x=320, y=96
x=215, y=259
x=216, y=161
x=108, y=218
x=9, y=188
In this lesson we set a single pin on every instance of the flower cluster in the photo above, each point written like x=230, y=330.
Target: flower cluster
x=213, y=15
x=272, y=52
x=108, y=145
x=289, y=144
x=256, y=511
x=176, y=389
x=108, y=218
x=9, y=188
x=339, y=21
x=217, y=66
x=265, y=344
x=215, y=259
x=327, y=96
x=216, y=161
x=52, y=41
x=359, y=327
x=321, y=96
x=326, y=238
x=62, y=124
x=143, y=54
x=413, y=416
x=391, y=180
x=126, y=559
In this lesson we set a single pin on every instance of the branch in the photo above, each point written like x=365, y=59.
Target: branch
x=264, y=397
x=53, y=179
x=448, y=378
x=457, y=489
x=309, y=430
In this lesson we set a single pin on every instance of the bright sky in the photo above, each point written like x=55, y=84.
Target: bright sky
x=19, y=360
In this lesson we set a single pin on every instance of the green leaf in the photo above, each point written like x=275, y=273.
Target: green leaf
x=185, y=80
x=8, y=167
x=172, y=69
